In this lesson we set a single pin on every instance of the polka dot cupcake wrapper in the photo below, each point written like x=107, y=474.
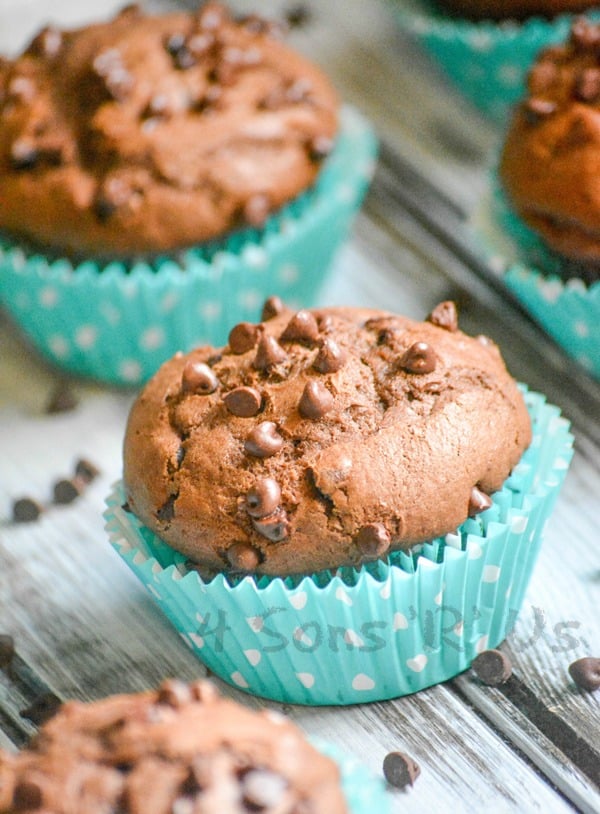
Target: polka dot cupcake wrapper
x=568, y=309
x=487, y=61
x=119, y=324
x=386, y=630
x=363, y=791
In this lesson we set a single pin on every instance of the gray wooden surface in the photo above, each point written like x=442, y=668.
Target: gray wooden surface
x=85, y=626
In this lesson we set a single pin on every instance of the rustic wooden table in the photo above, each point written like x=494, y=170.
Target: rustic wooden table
x=84, y=627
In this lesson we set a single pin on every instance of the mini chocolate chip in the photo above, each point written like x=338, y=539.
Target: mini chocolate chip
x=257, y=25
x=419, y=358
x=330, y=357
x=184, y=59
x=268, y=353
x=264, y=498
x=43, y=708
x=26, y=510
x=27, y=795
x=211, y=16
x=243, y=557
x=373, y=540
x=256, y=209
x=400, y=770
x=320, y=147
x=302, y=327
x=325, y=323
x=198, y=379
x=174, y=43
x=103, y=208
x=587, y=85
x=7, y=650
x=478, y=502
x=204, y=691
x=243, y=337
x=243, y=401
x=21, y=89
x=118, y=82
x=167, y=511
x=67, y=490
x=114, y=193
x=200, y=44
x=262, y=788
x=273, y=307
x=542, y=77
x=493, y=667
x=47, y=43
x=444, y=316
x=586, y=673
x=174, y=693
x=211, y=96
x=264, y=440
x=537, y=109
x=298, y=16
x=86, y=471
x=24, y=155
x=275, y=527
x=62, y=399
x=316, y=401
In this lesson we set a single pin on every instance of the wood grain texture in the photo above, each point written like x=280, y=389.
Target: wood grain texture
x=87, y=627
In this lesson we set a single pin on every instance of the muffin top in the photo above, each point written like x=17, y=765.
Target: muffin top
x=178, y=750
x=514, y=9
x=551, y=158
x=147, y=134
x=322, y=438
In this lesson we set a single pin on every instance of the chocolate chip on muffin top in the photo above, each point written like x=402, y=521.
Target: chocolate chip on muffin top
x=178, y=750
x=147, y=134
x=323, y=446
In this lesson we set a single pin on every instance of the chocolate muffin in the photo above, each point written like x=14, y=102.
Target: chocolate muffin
x=322, y=438
x=514, y=9
x=181, y=749
x=551, y=157
x=147, y=134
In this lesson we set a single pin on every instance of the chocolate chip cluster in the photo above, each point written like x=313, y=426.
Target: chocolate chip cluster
x=564, y=74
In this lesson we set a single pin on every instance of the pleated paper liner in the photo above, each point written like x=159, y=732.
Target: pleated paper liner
x=487, y=60
x=565, y=305
x=389, y=629
x=118, y=323
x=365, y=793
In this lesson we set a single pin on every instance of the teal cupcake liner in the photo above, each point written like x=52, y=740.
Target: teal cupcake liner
x=118, y=324
x=364, y=792
x=389, y=629
x=488, y=61
x=565, y=306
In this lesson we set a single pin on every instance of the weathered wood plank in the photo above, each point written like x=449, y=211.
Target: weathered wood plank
x=83, y=621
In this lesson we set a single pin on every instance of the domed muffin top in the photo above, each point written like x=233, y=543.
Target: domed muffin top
x=147, y=134
x=177, y=750
x=322, y=438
